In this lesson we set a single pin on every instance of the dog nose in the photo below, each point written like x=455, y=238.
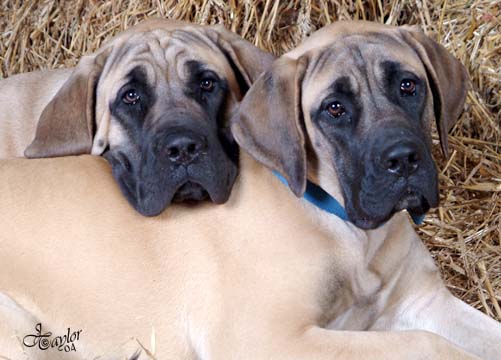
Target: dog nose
x=401, y=159
x=184, y=148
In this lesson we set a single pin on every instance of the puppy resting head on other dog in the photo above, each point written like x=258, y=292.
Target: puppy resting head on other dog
x=352, y=109
x=155, y=101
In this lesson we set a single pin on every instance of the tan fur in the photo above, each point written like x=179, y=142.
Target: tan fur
x=251, y=279
x=264, y=276
x=293, y=88
x=60, y=111
x=22, y=101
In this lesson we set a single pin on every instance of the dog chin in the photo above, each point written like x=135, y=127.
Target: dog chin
x=190, y=192
x=412, y=201
x=193, y=191
x=367, y=224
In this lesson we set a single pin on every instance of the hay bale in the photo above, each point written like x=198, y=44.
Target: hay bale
x=464, y=234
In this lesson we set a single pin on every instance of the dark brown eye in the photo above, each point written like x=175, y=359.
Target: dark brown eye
x=336, y=109
x=207, y=85
x=131, y=97
x=408, y=87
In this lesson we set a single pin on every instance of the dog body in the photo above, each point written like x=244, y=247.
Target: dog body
x=23, y=100
x=266, y=275
x=155, y=101
x=351, y=109
x=256, y=278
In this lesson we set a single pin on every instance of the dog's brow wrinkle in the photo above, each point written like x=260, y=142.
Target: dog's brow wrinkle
x=366, y=75
x=117, y=55
x=383, y=39
x=320, y=61
x=128, y=54
x=157, y=51
x=358, y=57
x=179, y=54
x=177, y=59
x=164, y=41
x=150, y=71
x=185, y=37
x=144, y=65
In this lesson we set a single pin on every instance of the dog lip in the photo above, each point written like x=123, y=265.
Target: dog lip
x=367, y=224
x=190, y=191
x=409, y=199
x=413, y=201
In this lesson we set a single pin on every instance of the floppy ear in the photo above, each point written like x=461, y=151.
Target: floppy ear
x=448, y=81
x=269, y=123
x=249, y=60
x=66, y=125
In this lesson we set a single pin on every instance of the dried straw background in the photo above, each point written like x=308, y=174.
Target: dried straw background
x=464, y=234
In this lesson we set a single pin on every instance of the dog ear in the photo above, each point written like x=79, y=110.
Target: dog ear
x=66, y=125
x=248, y=60
x=269, y=123
x=448, y=81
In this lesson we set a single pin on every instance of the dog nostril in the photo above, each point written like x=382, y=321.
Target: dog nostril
x=401, y=159
x=413, y=158
x=191, y=148
x=173, y=152
x=184, y=148
x=392, y=165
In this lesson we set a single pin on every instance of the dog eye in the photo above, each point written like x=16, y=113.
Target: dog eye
x=131, y=97
x=207, y=84
x=336, y=109
x=408, y=87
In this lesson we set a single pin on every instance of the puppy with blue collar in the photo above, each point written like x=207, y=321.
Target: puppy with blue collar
x=345, y=121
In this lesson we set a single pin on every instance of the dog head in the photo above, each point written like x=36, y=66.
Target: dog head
x=352, y=109
x=155, y=102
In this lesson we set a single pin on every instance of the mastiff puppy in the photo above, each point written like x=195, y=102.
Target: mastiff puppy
x=155, y=101
x=267, y=275
x=347, y=125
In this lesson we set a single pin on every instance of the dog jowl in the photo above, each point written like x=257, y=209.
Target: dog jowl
x=358, y=108
x=155, y=102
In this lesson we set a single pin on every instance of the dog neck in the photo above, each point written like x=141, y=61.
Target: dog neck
x=328, y=203
x=320, y=198
x=361, y=272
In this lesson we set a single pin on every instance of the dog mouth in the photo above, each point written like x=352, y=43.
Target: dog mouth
x=412, y=201
x=151, y=187
x=416, y=202
x=190, y=191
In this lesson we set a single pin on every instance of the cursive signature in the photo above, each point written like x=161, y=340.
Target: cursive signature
x=45, y=341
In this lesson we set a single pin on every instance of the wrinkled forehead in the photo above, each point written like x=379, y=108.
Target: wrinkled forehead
x=164, y=54
x=355, y=59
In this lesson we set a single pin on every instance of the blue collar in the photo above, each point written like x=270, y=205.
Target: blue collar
x=321, y=199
